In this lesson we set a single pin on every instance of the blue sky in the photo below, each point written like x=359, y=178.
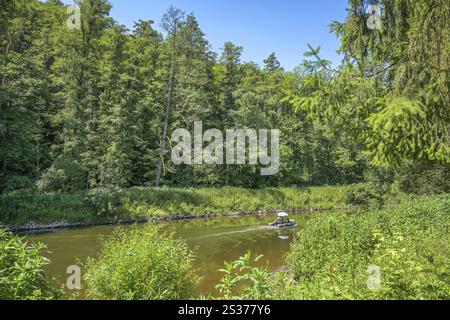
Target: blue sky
x=260, y=26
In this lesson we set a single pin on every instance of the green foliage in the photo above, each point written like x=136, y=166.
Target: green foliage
x=63, y=176
x=88, y=108
x=242, y=280
x=363, y=197
x=24, y=91
x=390, y=94
x=331, y=256
x=142, y=264
x=423, y=179
x=106, y=203
x=88, y=112
x=114, y=205
x=21, y=270
x=396, y=136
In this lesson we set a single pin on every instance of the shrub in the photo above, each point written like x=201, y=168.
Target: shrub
x=423, y=179
x=330, y=258
x=21, y=271
x=144, y=263
x=105, y=202
x=362, y=197
x=11, y=183
x=64, y=176
x=410, y=178
x=243, y=280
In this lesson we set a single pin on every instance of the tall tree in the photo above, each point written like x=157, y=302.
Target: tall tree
x=409, y=55
x=26, y=57
x=171, y=23
x=78, y=72
x=147, y=56
x=271, y=63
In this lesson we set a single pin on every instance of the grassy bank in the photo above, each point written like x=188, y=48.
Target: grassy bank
x=101, y=206
x=335, y=256
x=397, y=253
x=400, y=253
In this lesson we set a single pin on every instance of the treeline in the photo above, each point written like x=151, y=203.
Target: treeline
x=86, y=108
x=94, y=106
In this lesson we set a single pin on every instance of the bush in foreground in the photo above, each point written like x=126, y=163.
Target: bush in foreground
x=335, y=255
x=244, y=280
x=21, y=271
x=144, y=263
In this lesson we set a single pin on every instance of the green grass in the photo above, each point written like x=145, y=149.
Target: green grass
x=101, y=206
x=329, y=259
x=409, y=244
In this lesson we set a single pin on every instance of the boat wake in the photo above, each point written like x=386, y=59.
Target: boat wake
x=222, y=234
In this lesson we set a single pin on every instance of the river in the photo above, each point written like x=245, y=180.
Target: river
x=213, y=241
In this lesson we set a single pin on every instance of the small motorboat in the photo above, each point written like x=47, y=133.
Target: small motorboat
x=283, y=221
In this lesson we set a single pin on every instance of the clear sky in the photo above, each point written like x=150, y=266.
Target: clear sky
x=260, y=26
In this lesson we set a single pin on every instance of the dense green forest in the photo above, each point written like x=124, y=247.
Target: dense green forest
x=90, y=107
x=86, y=115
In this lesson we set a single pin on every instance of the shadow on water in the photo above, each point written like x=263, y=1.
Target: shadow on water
x=214, y=242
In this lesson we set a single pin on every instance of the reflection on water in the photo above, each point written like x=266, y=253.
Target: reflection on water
x=214, y=241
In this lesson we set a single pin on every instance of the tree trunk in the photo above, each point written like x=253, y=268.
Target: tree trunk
x=162, y=150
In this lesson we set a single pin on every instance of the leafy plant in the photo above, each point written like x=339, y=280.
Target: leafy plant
x=22, y=275
x=63, y=176
x=242, y=280
x=144, y=263
x=409, y=244
x=362, y=197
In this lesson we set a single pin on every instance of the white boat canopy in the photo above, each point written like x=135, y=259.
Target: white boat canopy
x=283, y=215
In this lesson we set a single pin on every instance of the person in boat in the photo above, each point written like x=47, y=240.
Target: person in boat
x=283, y=220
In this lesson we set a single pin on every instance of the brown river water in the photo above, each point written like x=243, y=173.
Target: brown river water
x=213, y=241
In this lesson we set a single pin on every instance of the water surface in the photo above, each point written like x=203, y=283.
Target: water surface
x=213, y=240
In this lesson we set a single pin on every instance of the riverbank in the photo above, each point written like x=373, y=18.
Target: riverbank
x=49, y=211
x=329, y=258
x=40, y=228
x=399, y=253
